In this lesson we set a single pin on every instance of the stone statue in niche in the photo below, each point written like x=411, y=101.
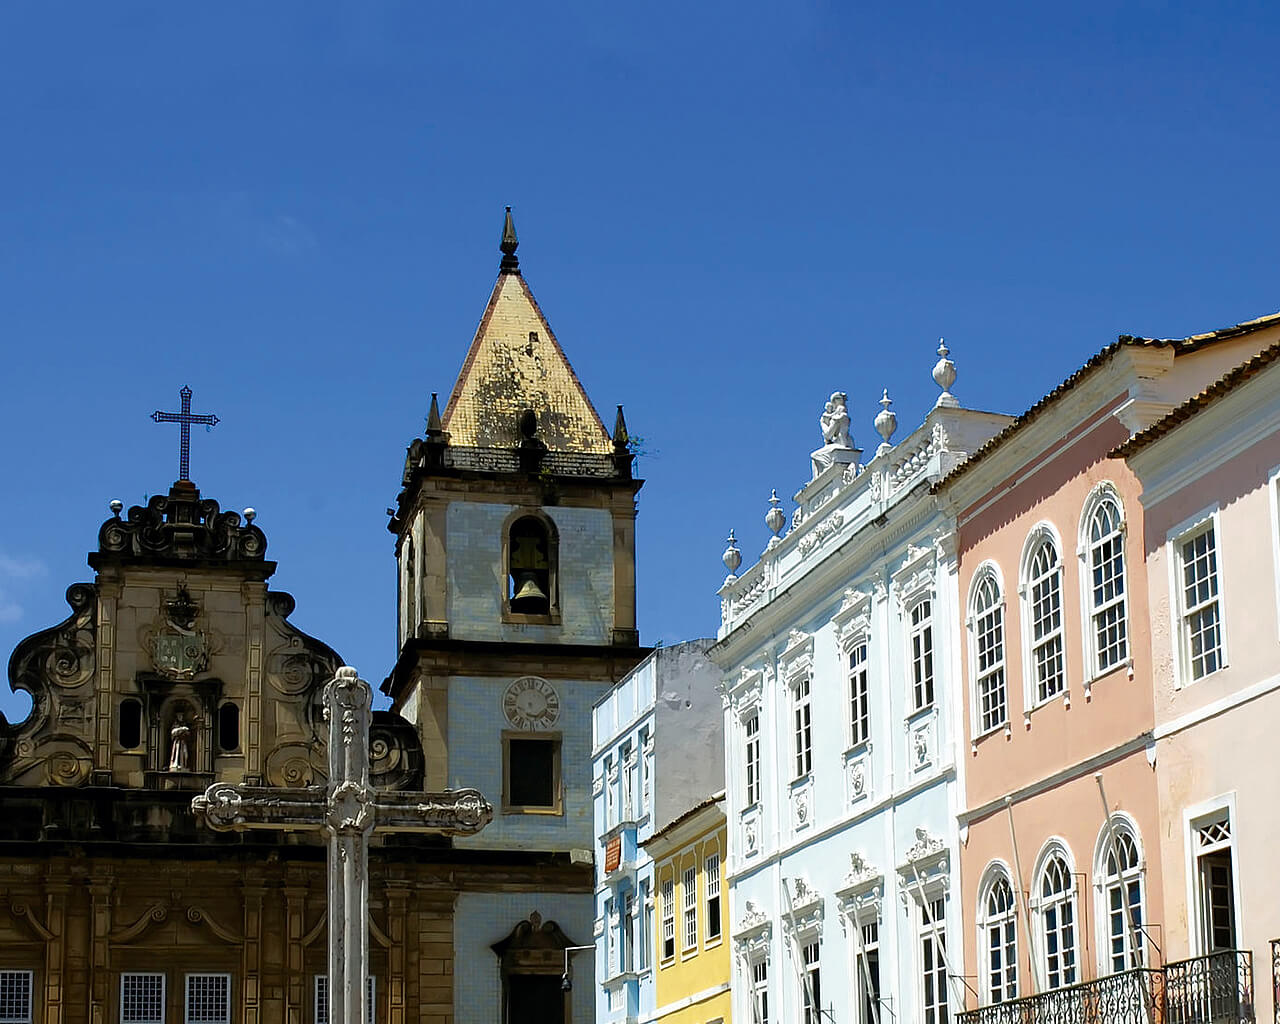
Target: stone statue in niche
x=180, y=734
x=837, y=445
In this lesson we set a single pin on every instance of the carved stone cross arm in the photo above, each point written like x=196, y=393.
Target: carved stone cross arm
x=453, y=813
x=225, y=807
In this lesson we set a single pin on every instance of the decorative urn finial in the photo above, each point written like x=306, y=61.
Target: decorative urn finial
x=886, y=423
x=944, y=375
x=509, y=245
x=732, y=557
x=775, y=518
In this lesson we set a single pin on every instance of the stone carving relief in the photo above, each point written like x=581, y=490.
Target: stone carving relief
x=802, y=805
x=821, y=533
x=180, y=526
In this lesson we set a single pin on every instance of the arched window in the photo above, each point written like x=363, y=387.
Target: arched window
x=130, y=723
x=410, y=590
x=229, y=727
x=1103, y=548
x=1122, y=913
x=987, y=626
x=530, y=566
x=1042, y=617
x=1058, y=922
x=999, y=938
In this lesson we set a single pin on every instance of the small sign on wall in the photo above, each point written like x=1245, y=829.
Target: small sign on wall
x=613, y=854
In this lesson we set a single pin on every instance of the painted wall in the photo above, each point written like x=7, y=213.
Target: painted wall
x=477, y=577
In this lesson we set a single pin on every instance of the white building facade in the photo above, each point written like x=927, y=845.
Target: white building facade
x=841, y=661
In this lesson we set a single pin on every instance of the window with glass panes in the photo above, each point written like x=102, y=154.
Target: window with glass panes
x=993, y=701
x=868, y=975
x=646, y=928
x=751, y=730
x=760, y=991
x=859, y=696
x=803, y=710
x=1000, y=935
x=15, y=997
x=690, y=885
x=668, y=919
x=711, y=871
x=208, y=999
x=1122, y=893
x=1044, y=603
x=628, y=931
x=1107, y=585
x=933, y=962
x=1058, y=923
x=141, y=998
x=1201, y=615
x=922, y=655
x=811, y=995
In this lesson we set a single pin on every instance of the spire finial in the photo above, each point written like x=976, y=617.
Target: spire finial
x=886, y=423
x=621, y=439
x=775, y=519
x=509, y=245
x=434, y=427
x=944, y=375
x=732, y=557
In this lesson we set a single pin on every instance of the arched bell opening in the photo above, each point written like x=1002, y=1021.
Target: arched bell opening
x=531, y=551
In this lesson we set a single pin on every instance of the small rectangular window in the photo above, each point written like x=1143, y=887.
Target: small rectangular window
x=922, y=655
x=533, y=773
x=803, y=728
x=690, y=908
x=812, y=994
x=760, y=991
x=15, y=997
x=141, y=998
x=712, y=871
x=859, y=697
x=208, y=999
x=668, y=919
x=751, y=729
x=1201, y=614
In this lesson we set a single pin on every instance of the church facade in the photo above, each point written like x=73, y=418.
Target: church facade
x=179, y=667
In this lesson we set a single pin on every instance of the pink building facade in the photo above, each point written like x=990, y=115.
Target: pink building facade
x=1061, y=831
x=1210, y=477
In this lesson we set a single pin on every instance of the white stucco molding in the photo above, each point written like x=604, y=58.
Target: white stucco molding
x=926, y=871
x=796, y=660
x=754, y=934
x=747, y=693
x=852, y=620
x=803, y=922
x=915, y=579
x=861, y=895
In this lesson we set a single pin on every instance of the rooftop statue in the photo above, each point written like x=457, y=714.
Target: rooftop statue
x=837, y=445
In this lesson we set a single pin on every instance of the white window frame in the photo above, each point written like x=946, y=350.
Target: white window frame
x=644, y=938
x=802, y=725
x=711, y=871
x=689, y=909
x=860, y=950
x=1042, y=533
x=758, y=990
x=628, y=932
x=1192, y=819
x=859, y=690
x=810, y=972
x=164, y=994
x=1121, y=825
x=610, y=792
x=915, y=681
x=1011, y=981
x=934, y=932
x=667, y=893
x=186, y=996
x=1056, y=849
x=1206, y=521
x=753, y=788
x=29, y=977
x=987, y=571
x=1106, y=490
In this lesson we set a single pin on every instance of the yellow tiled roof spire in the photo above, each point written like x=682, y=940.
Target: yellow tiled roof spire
x=515, y=364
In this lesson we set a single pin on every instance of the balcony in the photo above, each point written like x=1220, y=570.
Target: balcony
x=1214, y=989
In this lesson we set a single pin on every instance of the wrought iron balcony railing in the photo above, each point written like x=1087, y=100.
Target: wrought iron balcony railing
x=1215, y=989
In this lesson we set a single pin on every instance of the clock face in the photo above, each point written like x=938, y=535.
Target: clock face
x=531, y=703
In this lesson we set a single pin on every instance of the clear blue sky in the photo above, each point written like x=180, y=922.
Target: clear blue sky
x=727, y=211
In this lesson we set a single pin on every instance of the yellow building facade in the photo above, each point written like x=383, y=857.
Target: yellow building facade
x=691, y=917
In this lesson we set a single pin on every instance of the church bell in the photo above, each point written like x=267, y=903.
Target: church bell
x=528, y=592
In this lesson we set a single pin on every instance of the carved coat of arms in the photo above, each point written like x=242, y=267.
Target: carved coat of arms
x=179, y=650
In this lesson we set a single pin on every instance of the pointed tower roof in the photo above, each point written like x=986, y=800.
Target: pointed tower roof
x=515, y=364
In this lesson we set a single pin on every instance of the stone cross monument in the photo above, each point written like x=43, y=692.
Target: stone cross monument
x=349, y=810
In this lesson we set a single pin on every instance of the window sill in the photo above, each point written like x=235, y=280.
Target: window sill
x=1004, y=727
x=801, y=780
x=1188, y=683
x=546, y=812
x=919, y=713
x=618, y=980
x=531, y=619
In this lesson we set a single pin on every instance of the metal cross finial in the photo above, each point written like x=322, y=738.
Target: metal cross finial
x=186, y=418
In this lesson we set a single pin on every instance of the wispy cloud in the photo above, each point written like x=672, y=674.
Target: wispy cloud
x=277, y=232
x=14, y=570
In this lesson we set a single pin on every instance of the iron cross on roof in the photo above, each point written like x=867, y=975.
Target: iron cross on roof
x=186, y=418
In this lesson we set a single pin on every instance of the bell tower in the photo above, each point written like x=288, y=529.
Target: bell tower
x=515, y=544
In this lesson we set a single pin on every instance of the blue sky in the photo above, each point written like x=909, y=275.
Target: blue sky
x=727, y=211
